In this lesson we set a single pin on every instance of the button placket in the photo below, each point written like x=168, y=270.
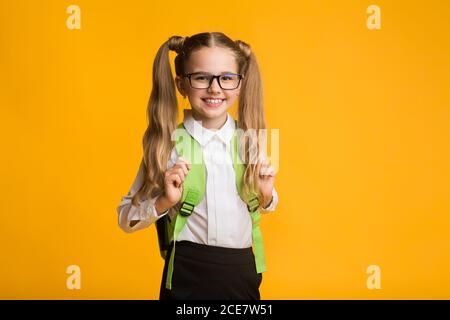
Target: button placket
x=211, y=204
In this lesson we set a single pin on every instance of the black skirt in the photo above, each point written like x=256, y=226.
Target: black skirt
x=206, y=272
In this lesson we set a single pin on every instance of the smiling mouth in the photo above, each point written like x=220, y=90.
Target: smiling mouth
x=213, y=102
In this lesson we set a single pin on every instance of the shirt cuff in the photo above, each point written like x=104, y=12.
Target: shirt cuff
x=148, y=211
x=273, y=203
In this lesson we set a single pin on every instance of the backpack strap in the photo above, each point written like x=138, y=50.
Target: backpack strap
x=164, y=229
x=193, y=187
x=252, y=205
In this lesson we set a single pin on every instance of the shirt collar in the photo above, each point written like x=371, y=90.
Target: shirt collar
x=203, y=135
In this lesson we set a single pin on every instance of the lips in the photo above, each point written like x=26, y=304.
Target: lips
x=213, y=102
x=204, y=99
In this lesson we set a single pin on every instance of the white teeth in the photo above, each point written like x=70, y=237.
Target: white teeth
x=213, y=100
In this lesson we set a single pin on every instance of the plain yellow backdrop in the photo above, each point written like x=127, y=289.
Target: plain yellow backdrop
x=364, y=143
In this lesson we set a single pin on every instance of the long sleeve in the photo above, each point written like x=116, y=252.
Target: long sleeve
x=145, y=213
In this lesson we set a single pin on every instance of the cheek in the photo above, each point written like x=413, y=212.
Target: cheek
x=232, y=96
x=193, y=95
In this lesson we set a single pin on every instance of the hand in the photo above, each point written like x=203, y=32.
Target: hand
x=266, y=175
x=173, y=180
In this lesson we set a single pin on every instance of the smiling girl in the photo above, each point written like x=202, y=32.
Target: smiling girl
x=213, y=257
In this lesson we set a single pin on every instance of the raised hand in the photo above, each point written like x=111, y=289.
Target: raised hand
x=173, y=180
x=266, y=175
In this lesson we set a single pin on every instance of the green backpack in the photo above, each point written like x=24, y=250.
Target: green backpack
x=193, y=192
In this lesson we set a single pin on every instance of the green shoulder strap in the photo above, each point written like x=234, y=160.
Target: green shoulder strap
x=252, y=205
x=193, y=187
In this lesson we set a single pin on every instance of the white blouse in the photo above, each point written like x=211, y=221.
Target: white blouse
x=221, y=218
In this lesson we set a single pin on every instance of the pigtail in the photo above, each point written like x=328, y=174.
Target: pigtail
x=251, y=118
x=162, y=111
x=162, y=116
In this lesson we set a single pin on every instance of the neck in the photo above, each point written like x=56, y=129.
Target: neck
x=211, y=124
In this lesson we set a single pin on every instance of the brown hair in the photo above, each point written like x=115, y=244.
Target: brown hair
x=162, y=110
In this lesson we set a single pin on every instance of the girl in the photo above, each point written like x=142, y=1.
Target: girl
x=213, y=257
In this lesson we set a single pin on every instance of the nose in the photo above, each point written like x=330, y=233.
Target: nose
x=214, y=87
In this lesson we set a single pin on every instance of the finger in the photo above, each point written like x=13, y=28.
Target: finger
x=175, y=179
x=178, y=181
x=180, y=172
x=183, y=160
x=263, y=171
x=267, y=171
x=169, y=178
x=271, y=171
x=182, y=166
x=262, y=167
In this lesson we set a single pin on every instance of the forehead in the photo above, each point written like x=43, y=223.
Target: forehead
x=214, y=60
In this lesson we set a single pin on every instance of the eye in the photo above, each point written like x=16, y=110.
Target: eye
x=201, y=77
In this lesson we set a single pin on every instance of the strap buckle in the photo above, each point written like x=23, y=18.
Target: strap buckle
x=253, y=204
x=188, y=204
x=186, y=209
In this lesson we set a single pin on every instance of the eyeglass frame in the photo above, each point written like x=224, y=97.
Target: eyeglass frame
x=241, y=76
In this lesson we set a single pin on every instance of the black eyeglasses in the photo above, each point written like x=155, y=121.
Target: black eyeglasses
x=228, y=81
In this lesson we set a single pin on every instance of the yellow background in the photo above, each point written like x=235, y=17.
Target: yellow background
x=364, y=143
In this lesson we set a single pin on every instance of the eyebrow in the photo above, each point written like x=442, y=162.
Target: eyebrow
x=224, y=72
